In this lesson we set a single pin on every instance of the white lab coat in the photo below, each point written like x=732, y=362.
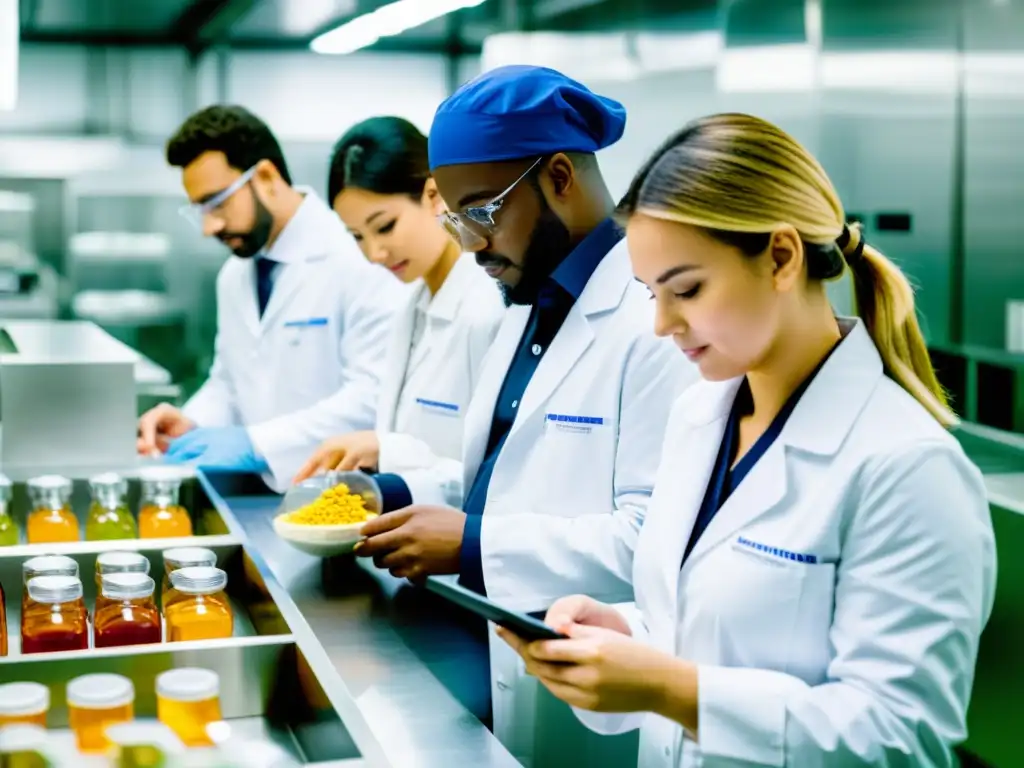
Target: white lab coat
x=865, y=657
x=427, y=387
x=311, y=366
x=566, y=499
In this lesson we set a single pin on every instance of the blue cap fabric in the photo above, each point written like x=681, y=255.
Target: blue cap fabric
x=514, y=112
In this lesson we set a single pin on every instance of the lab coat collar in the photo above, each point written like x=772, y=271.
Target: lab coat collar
x=819, y=425
x=840, y=388
x=306, y=238
x=445, y=303
x=607, y=286
x=302, y=237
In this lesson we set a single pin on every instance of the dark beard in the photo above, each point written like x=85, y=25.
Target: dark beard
x=256, y=239
x=550, y=243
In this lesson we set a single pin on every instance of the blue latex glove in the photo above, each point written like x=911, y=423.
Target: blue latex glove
x=223, y=448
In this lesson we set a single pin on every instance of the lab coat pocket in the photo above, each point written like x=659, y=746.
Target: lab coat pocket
x=767, y=607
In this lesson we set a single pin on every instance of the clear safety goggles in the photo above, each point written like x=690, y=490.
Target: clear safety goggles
x=476, y=222
x=196, y=213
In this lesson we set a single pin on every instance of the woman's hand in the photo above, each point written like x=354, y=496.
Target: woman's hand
x=606, y=670
x=355, y=450
x=580, y=609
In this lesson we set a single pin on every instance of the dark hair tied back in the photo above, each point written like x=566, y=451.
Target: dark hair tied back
x=384, y=155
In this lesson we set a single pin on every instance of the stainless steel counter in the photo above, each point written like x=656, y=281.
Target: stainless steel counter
x=368, y=624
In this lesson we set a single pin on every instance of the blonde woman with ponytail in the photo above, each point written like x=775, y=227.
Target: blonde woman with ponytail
x=817, y=561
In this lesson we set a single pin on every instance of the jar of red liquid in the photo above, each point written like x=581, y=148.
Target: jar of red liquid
x=44, y=565
x=110, y=563
x=128, y=615
x=57, y=620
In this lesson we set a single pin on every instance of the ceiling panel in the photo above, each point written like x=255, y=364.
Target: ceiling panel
x=293, y=18
x=104, y=16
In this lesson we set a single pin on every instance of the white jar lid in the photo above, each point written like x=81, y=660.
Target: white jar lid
x=189, y=557
x=199, y=581
x=21, y=738
x=23, y=699
x=54, y=590
x=127, y=586
x=49, y=565
x=101, y=691
x=188, y=684
x=122, y=562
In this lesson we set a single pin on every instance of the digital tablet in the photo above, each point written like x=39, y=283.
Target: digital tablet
x=525, y=626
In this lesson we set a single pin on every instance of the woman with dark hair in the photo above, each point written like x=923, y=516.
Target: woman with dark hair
x=379, y=184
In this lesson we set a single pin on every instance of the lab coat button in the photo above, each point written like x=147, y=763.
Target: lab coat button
x=502, y=685
x=668, y=751
x=537, y=349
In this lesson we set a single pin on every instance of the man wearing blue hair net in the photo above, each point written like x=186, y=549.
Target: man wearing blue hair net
x=563, y=434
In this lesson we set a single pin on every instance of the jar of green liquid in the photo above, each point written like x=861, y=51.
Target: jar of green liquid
x=109, y=515
x=8, y=528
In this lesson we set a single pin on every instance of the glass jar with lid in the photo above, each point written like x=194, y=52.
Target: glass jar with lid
x=8, y=528
x=161, y=515
x=51, y=519
x=185, y=557
x=44, y=565
x=24, y=703
x=187, y=701
x=58, y=620
x=96, y=702
x=109, y=515
x=197, y=607
x=110, y=563
x=128, y=615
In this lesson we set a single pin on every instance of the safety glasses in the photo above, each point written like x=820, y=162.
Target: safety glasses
x=477, y=221
x=196, y=213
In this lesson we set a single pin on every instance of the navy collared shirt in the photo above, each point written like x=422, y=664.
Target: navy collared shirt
x=554, y=302
x=725, y=480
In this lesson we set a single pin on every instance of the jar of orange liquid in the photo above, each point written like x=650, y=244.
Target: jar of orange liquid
x=128, y=615
x=161, y=516
x=24, y=704
x=110, y=563
x=185, y=557
x=188, y=700
x=95, y=702
x=51, y=519
x=197, y=607
x=57, y=620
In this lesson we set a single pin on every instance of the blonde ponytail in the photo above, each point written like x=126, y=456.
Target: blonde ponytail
x=734, y=173
x=885, y=302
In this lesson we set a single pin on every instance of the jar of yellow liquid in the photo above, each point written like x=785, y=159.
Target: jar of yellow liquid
x=51, y=519
x=197, y=607
x=161, y=516
x=109, y=563
x=96, y=702
x=188, y=700
x=109, y=515
x=9, y=536
x=185, y=557
x=24, y=704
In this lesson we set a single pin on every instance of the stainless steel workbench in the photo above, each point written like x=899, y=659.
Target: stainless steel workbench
x=367, y=624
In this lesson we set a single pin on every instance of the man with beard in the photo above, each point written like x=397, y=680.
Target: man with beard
x=563, y=434
x=302, y=318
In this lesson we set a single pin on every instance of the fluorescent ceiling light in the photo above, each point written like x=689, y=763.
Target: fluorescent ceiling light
x=915, y=71
x=387, y=21
x=771, y=68
x=603, y=56
x=9, y=32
